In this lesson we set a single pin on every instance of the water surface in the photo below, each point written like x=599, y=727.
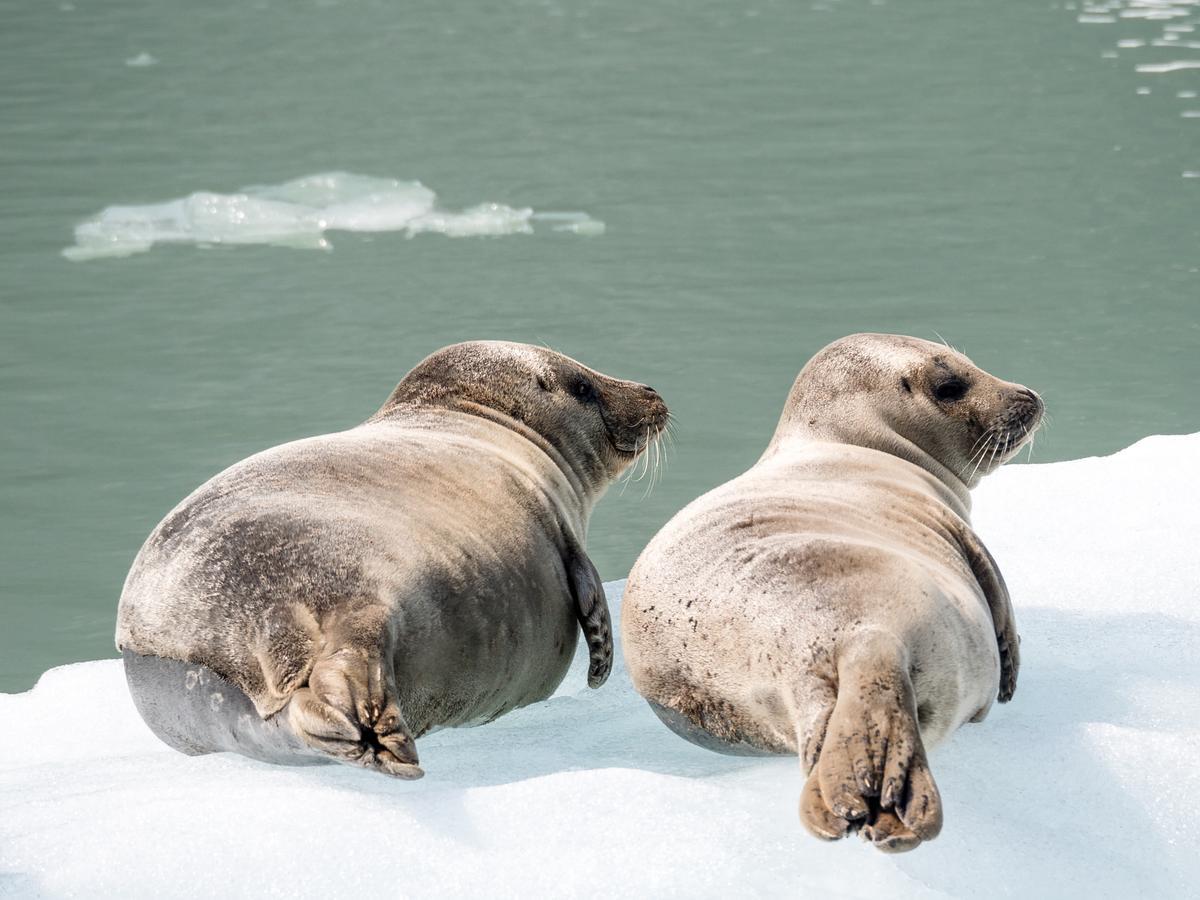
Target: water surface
x=1016, y=177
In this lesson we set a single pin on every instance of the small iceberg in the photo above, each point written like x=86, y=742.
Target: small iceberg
x=1086, y=785
x=299, y=213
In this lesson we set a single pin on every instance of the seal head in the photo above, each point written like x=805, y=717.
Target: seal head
x=915, y=399
x=593, y=424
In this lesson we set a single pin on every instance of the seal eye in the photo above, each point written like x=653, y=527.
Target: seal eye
x=949, y=391
x=585, y=390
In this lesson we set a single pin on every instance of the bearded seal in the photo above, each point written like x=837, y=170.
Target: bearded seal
x=337, y=597
x=833, y=601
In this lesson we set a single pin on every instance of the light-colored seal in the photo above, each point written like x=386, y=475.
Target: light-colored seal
x=833, y=601
x=339, y=596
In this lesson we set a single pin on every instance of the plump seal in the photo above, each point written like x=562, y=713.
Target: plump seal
x=339, y=596
x=833, y=601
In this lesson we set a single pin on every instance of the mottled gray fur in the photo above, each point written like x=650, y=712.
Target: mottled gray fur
x=424, y=569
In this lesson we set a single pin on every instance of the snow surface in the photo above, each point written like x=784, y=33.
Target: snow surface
x=1084, y=785
x=298, y=213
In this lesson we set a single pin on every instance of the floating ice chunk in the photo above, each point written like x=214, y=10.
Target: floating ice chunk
x=1153, y=14
x=202, y=218
x=1176, y=66
x=486, y=219
x=341, y=201
x=574, y=222
x=589, y=227
x=298, y=213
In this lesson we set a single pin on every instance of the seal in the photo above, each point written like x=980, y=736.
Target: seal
x=337, y=597
x=833, y=601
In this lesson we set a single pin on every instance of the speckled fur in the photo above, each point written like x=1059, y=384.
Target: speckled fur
x=421, y=570
x=833, y=601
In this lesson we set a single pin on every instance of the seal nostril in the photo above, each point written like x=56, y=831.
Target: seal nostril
x=1030, y=397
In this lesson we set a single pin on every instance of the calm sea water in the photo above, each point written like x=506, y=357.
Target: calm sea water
x=772, y=175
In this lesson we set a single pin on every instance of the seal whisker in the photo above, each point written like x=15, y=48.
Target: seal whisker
x=945, y=343
x=978, y=463
x=991, y=445
x=661, y=448
x=980, y=453
x=653, y=468
x=1032, y=435
x=625, y=479
x=983, y=437
x=668, y=432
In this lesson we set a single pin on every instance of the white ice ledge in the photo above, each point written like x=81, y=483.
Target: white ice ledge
x=1085, y=785
x=300, y=213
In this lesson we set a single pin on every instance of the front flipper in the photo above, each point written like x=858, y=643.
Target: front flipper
x=592, y=608
x=987, y=573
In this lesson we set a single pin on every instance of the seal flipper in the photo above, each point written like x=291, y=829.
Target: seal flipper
x=991, y=582
x=349, y=708
x=871, y=772
x=592, y=608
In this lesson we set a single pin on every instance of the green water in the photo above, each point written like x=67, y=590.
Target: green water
x=772, y=175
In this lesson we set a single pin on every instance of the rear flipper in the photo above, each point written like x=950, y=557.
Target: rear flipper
x=348, y=709
x=333, y=701
x=871, y=773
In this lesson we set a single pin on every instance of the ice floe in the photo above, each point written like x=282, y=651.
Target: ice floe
x=301, y=212
x=141, y=61
x=1084, y=786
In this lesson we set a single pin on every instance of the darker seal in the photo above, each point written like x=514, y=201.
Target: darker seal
x=339, y=596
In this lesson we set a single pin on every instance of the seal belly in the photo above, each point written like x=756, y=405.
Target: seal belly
x=484, y=655
x=734, y=744
x=191, y=708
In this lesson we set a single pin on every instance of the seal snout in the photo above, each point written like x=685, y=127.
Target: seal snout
x=635, y=414
x=1019, y=419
